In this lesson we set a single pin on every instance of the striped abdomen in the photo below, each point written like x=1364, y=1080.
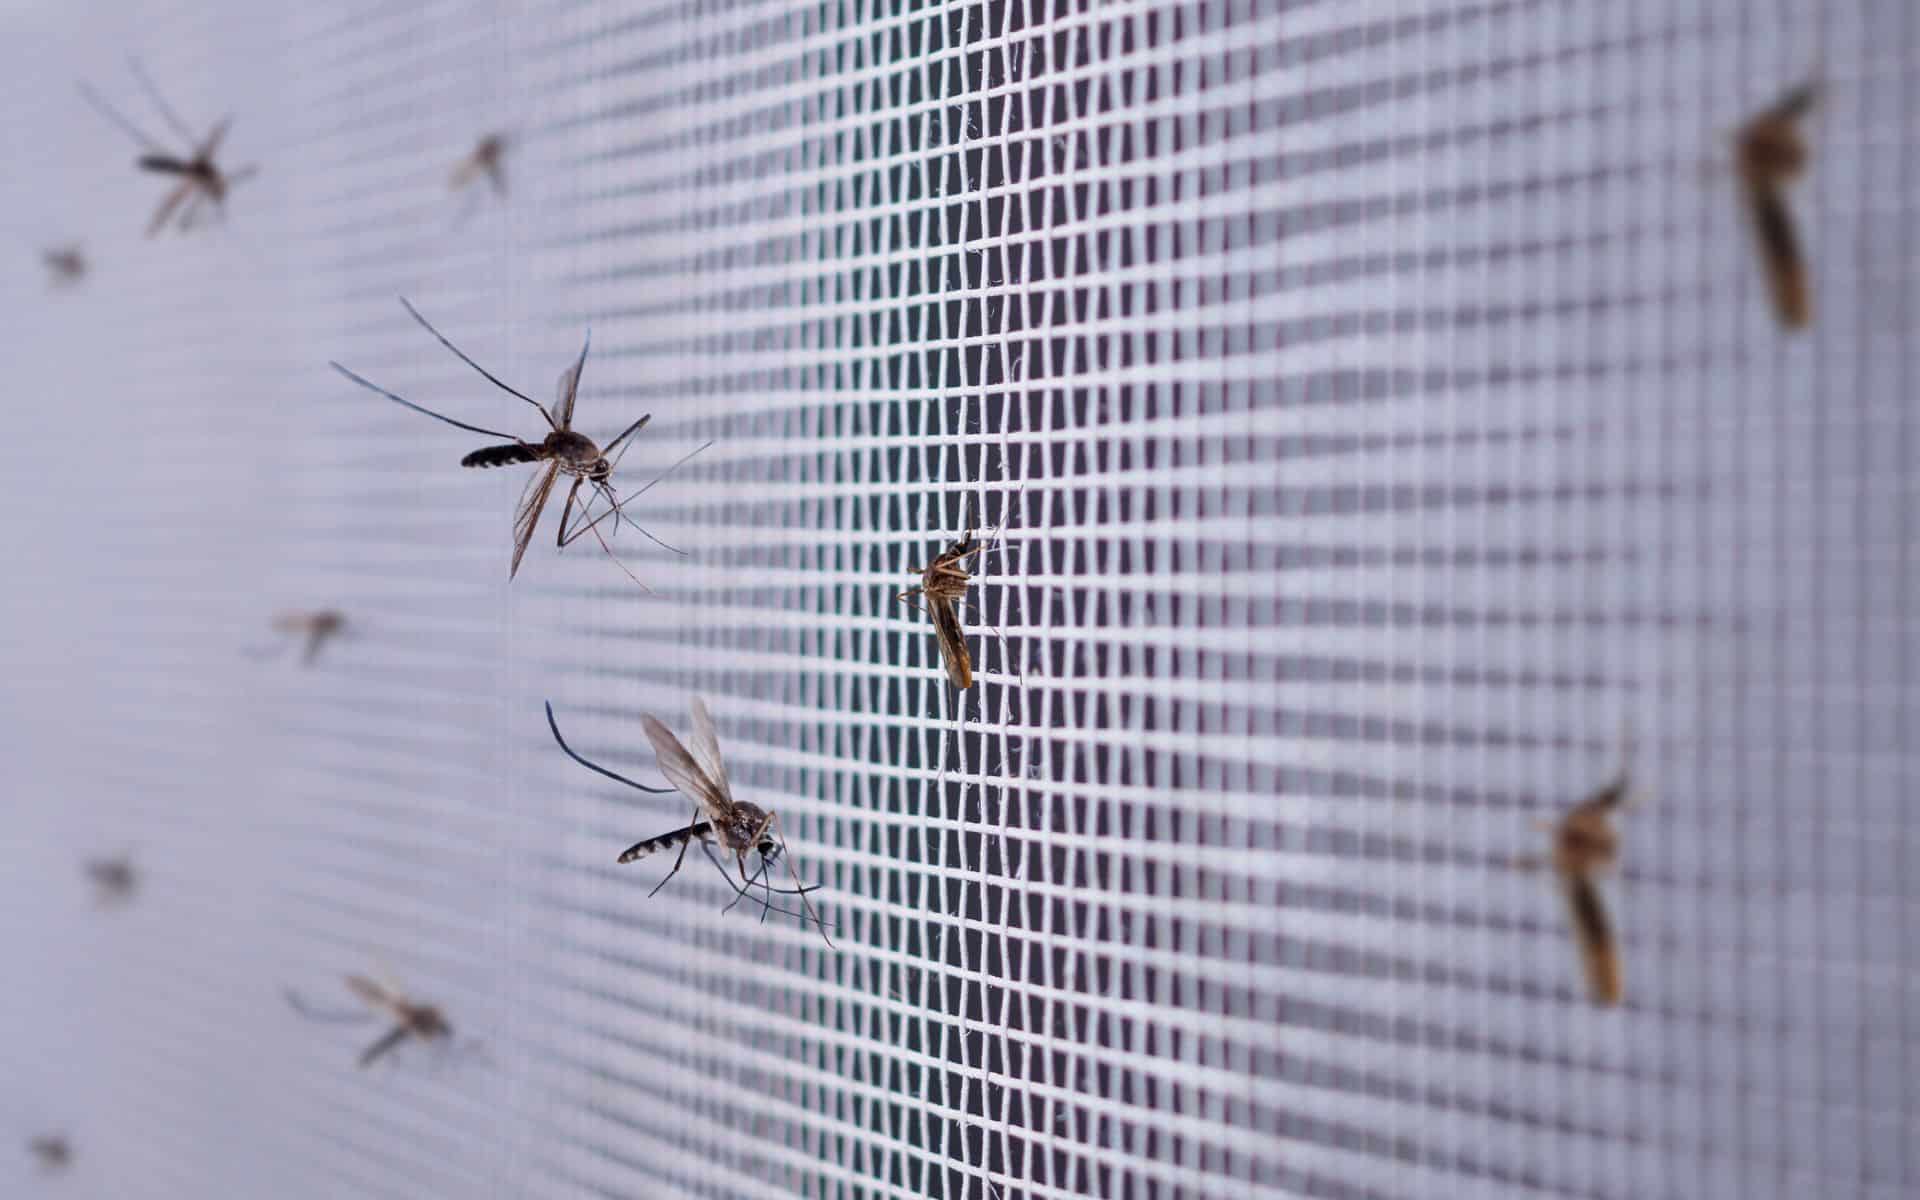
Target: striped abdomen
x=666, y=841
x=500, y=456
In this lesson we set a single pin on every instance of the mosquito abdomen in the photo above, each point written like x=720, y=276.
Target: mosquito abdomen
x=500, y=456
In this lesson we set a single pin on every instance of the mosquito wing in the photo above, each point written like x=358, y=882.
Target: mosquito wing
x=952, y=640
x=683, y=772
x=532, y=501
x=1593, y=933
x=569, y=387
x=392, y=1038
x=706, y=747
x=373, y=994
x=1780, y=253
x=215, y=136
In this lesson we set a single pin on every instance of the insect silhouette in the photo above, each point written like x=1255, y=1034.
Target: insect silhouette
x=53, y=1150
x=200, y=179
x=1585, y=843
x=562, y=450
x=1771, y=153
x=410, y=1019
x=114, y=879
x=739, y=827
x=944, y=584
x=66, y=265
x=485, y=161
x=316, y=628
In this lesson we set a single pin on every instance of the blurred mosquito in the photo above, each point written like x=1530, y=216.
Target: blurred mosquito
x=1585, y=843
x=66, y=265
x=562, y=450
x=410, y=1019
x=737, y=825
x=486, y=160
x=53, y=1150
x=1771, y=153
x=315, y=628
x=114, y=879
x=200, y=179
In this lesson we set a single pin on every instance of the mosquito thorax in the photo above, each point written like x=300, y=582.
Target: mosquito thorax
x=575, y=452
x=745, y=827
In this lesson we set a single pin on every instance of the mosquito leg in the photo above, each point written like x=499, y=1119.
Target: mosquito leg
x=740, y=895
x=678, y=858
x=560, y=538
x=772, y=819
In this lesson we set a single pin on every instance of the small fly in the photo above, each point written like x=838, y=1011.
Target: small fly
x=314, y=628
x=562, y=450
x=1771, y=153
x=410, y=1019
x=944, y=584
x=1585, y=843
x=739, y=827
x=114, y=879
x=53, y=1151
x=486, y=161
x=200, y=179
x=66, y=265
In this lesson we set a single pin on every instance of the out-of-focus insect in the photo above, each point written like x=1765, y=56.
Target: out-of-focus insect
x=562, y=450
x=66, y=265
x=316, y=628
x=53, y=1150
x=200, y=179
x=1585, y=844
x=410, y=1019
x=1771, y=153
x=114, y=879
x=486, y=160
x=738, y=826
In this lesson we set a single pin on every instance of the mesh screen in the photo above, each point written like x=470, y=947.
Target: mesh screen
x=1382, y=422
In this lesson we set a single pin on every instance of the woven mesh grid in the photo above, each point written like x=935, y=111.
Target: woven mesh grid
x=1381, y=423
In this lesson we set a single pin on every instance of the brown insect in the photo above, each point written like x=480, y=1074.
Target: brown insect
x=201, y=180
x=739, y=827
x=410, y=1019
x=486, y=160
x=562, y=450
x=114, y=879
x=53, y=1150
x=316, y=628
x=66, y=265
x=1585, y=843
x=944, y=584
x=1771, y=153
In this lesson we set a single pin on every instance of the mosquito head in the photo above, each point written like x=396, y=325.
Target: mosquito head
x=427, y=1022
x=600, y=470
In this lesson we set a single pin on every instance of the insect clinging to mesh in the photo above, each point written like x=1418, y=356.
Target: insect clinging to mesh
x=1771, y=152
x=201, y=180
x=739, y=827
x=411, y=1019
x=314, y=628
x=1585, y=844
x=562, y=450
x=944, y=584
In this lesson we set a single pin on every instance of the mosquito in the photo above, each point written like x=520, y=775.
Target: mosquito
x=66, y=265
x=1585, y=843
x=410, y=1019
x=114, y=879
x=200, y=179
x=1771, y=153
x=53, y=1150
x=736, y=825
x=485, y=160
x=316, y=628
x=944, y=584
x=562, y=450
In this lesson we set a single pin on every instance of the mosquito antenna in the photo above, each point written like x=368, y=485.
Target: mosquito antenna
x=568, y=751
x=490, y=376
x=159, y=101
x=804, y=902
x=126, y=126
x=374, y=387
